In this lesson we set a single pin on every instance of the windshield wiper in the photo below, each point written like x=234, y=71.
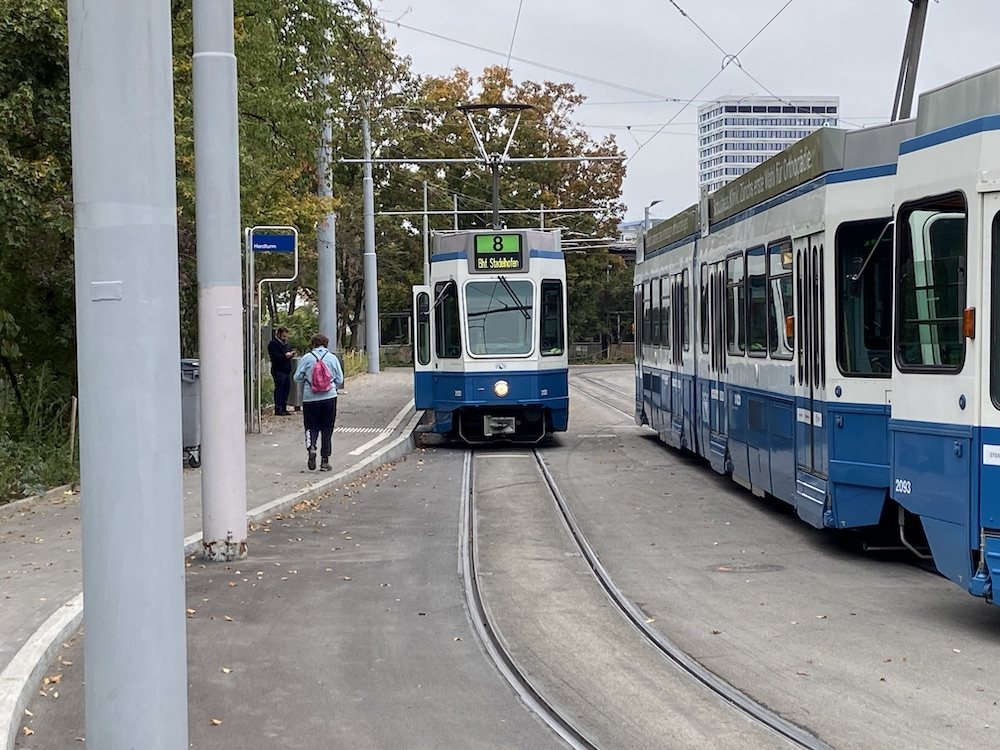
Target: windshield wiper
x=506, y=308
x=510, y=290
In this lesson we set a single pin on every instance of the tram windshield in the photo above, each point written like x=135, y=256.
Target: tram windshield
x=499, y=316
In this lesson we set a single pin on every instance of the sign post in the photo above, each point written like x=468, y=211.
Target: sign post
x=262, y=239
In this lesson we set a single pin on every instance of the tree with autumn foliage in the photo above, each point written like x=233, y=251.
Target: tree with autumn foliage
x=426, y=124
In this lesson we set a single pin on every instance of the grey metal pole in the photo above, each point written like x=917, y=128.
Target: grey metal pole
x=371, y=278
x=220, y=330
x=427, y=251
x=125, y=218
x=911, y=57
x=541, y=216
x=919, y=18
x=495, y=169
x=326, y=242
x=454, y=198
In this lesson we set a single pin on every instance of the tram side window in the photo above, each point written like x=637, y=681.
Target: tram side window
x=423, y=317
x=931, y=299
x=703, y=311
x=780, y=341
x=553, y=339
x=735, y=298
x=637, y=316
x=647, y=323
x=685, y=303
x=665, y=312
x=995, y=314
x=448, y=326
x=757, y=301
x=863, y=262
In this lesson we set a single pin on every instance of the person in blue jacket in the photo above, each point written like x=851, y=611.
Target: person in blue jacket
x=319, y=398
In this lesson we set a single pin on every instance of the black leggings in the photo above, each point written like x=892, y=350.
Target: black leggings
x=319, y=417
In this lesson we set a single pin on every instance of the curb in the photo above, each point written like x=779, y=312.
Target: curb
x=26, y=503
x=25, y=670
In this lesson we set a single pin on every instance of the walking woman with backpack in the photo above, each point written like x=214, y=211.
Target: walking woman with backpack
x=321, y=375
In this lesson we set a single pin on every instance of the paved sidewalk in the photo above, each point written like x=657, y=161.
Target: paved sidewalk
x=40, y=558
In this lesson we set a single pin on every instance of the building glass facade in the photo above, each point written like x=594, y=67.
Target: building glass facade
x=736, y=133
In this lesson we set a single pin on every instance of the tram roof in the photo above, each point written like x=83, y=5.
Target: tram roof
x=969, y=98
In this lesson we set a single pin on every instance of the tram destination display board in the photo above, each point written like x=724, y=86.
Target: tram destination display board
x=498, y=252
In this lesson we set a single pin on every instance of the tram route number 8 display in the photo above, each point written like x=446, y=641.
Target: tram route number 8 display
x=498, y=252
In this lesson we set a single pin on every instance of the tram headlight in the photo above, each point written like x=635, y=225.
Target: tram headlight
x=501, y=388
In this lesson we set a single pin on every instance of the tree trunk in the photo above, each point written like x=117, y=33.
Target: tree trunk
x=17, y=390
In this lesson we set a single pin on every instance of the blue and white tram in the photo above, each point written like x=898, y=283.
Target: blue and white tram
x=490, y=358
x=811, y=329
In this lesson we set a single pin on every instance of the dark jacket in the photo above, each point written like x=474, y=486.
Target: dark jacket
x=277, y=349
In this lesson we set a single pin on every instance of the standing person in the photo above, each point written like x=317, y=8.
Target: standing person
x=281, y=370
x=321, y=375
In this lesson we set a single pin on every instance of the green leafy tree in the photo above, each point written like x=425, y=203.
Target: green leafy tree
x=422, y=121
x=286, y=52
x=36, y=252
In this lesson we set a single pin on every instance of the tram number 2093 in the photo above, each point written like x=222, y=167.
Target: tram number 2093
x=904, y=487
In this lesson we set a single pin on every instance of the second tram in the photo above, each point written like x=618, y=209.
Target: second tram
x=490, y=360
x=826, y=329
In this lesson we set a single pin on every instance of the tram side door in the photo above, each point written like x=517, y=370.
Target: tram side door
x=423, y=378
x=810, y=377
x=717, y=366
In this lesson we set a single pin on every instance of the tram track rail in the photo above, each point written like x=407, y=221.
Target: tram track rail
x=739, y=700
x=533, y=697
x=488, y=633
x=593, y=387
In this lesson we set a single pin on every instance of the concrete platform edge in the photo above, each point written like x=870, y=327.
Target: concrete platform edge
x=24, y=672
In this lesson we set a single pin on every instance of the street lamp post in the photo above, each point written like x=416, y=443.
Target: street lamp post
x=645, y=215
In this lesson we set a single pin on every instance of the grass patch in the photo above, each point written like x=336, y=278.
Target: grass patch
x=35, y=444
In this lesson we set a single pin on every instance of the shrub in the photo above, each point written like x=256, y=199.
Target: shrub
x=35, y=452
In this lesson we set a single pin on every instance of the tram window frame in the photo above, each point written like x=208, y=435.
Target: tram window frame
x=735, y=300
x=422, y=341
x=654, y=312
x=864, y=307
x=775, y=327
x=995, y=314
x=912, y=355
x=647, y=306
x=703, y=314
x=685, y=303
x=665, y=310
x=637, y=316
x=552, y=310
x=447, y=321
x=755, y=280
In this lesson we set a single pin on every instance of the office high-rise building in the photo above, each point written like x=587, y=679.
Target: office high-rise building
x=736, y=133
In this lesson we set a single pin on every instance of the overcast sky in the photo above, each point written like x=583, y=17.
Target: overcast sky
x=623, y=56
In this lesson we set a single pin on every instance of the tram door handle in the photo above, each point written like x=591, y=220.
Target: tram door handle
x=958, y=449
x=840, y=420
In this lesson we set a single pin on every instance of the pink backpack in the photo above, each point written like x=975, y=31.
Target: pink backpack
x=320, y=380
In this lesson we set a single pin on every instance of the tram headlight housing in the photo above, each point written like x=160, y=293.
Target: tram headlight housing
x=501, y=388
